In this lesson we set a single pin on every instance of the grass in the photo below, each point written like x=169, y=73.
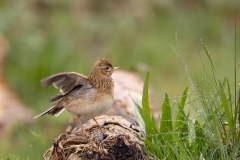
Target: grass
x=204, y=126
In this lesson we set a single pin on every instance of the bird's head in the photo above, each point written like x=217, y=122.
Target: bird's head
x=103, y=68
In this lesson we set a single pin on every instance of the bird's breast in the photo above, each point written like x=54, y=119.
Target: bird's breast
x=94, y=104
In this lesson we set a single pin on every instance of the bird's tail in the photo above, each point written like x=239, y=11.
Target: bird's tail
x=55, y=111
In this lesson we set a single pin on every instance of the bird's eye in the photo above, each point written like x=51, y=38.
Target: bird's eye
x=107, y=68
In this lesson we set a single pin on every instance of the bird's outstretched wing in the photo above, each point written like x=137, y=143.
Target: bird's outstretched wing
x=66, y=81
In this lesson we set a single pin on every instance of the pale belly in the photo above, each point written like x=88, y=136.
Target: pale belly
x=88, y=108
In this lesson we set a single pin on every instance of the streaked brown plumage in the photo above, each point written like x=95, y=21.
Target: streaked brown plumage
x=83, y=96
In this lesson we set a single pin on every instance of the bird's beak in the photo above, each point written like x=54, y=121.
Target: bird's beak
x=115, y=68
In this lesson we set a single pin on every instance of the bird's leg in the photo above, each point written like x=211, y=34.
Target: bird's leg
x=98, y=125
x=80, y=123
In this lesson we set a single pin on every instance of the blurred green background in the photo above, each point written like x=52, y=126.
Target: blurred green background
x=47, y=37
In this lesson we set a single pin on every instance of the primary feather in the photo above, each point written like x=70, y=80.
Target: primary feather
x=65, y=81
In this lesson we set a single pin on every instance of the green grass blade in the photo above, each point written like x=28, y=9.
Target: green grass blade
x=178, y=123
x=166, y=121
x=226, y=107
x=229, y=94
x=154, y=149
x=235, y=66
x=150, y=126
x=138, y=112
x=200, y=137
x=218, y=137
x=145, y=102
x=183, y=99
x=139, y=108
x=139, y=119
x=236, y=147
x=181, y=148
x=234, y=111
x=210, y=59
x=181, y=121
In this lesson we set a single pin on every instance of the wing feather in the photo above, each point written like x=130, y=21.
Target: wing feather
x=66, y=81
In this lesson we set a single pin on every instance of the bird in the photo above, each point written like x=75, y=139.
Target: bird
x=86, y=97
